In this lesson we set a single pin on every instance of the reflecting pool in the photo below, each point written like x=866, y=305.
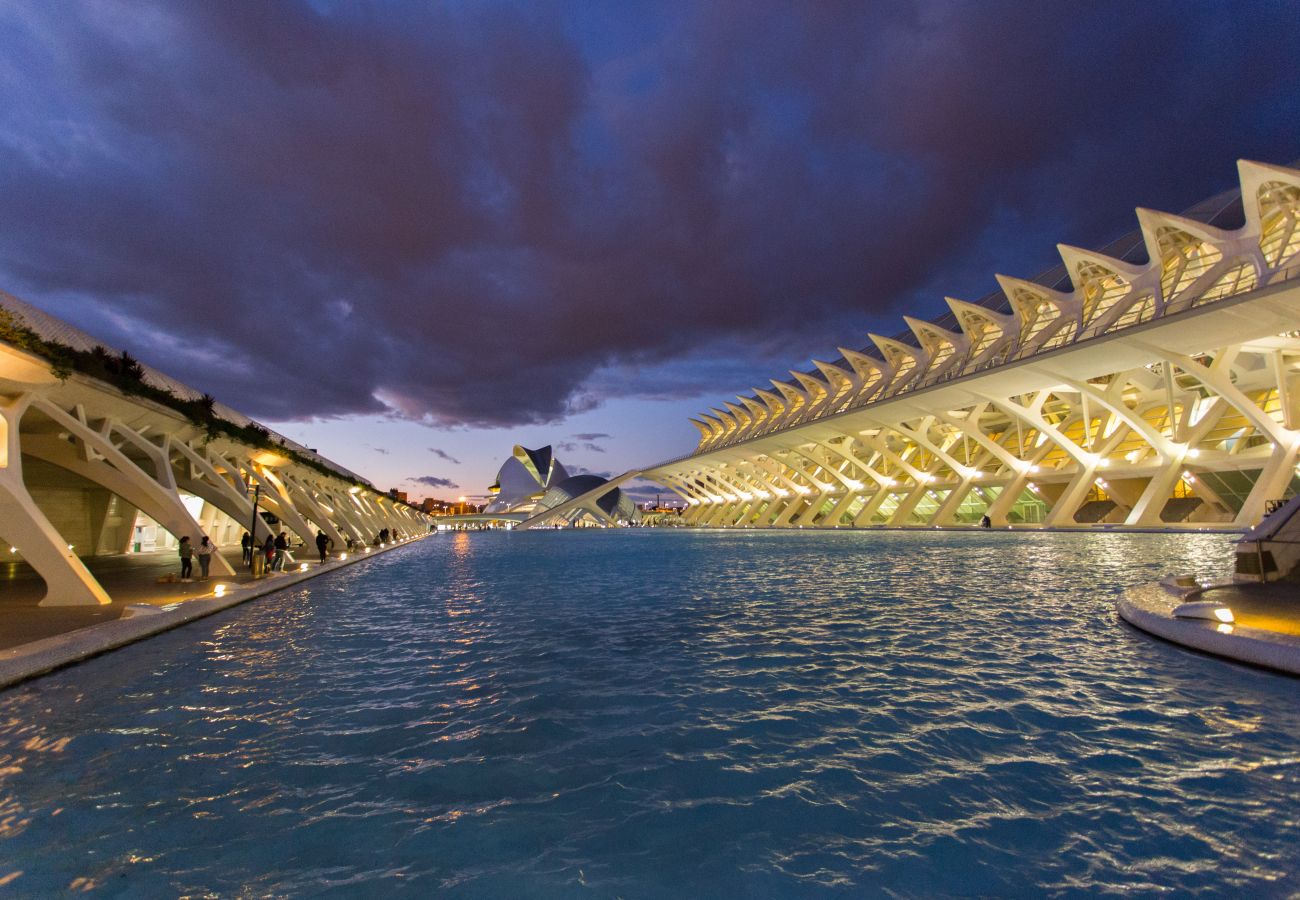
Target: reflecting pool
x=668, y=714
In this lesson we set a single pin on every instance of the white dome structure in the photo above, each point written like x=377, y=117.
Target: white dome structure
x=523, y=480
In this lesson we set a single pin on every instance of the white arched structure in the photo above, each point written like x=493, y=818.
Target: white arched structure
x=79, y=456
x=1152, y=384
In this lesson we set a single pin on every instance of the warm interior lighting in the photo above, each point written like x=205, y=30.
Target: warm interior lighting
x=267, y=458
x=1204, y=609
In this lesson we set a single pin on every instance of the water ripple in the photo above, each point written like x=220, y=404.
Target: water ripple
x=660, y=714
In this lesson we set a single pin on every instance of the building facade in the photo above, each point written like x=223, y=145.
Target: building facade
x=90, y=468
x=1154, y=383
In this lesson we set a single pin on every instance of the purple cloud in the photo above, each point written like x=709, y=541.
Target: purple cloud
x=501, y=215
x=443, y=454
x=434, y=481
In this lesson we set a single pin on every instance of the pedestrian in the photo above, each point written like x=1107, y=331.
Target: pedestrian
x=985, y=521
x=322, y=544
x=187, y=557
x=268, y=550
x=281, y=551
x=246, y=543
x=204, y=552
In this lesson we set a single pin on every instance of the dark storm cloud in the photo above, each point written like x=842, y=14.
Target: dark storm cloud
x=443, y=454
x=434, y=482
x=499, y=215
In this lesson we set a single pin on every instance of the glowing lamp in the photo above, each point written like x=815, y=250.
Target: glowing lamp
x=302, y=568
x=219, y=591
x=1204, y=609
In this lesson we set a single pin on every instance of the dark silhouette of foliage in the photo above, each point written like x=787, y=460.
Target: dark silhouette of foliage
x=126, y=373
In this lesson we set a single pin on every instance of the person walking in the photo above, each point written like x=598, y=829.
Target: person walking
x=204, y=552
x=187, y=557
x=281, y=551
x=268, y=550
x=322, y=545
x=246, y=542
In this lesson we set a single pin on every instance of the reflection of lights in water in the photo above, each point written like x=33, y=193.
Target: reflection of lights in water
x=461, y=545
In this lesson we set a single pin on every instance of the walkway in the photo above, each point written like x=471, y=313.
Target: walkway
x=128, y=578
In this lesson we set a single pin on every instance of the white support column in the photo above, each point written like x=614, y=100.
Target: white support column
x=22, y=524
x=160, y=502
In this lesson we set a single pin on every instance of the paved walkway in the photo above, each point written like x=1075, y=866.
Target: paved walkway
x=39, y=640
x=128, y=578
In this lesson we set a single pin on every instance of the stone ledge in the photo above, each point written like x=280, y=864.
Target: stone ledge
x=1150, y=607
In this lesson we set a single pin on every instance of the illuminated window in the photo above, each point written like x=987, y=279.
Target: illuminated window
x=1102, y=289
x=1279, y=208
x=1037, y=312
x=942, y=353
x=1183, y=259
x=986, y=335
x=1140, y=310
x=903, y=365
x=1237, y=280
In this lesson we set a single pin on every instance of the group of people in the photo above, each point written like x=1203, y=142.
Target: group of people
x=203, y=551
x=274, y=550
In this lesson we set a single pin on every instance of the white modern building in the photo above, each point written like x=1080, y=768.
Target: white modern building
x=534, y=486
x=1152, y=383
x=90, y=468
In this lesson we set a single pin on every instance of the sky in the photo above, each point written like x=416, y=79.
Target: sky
x=411, y=235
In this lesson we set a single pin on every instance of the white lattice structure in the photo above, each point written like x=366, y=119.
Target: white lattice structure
x=1153, y=385
x=80, y=456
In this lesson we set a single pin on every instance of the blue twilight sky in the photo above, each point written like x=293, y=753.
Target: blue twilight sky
x=414, y=234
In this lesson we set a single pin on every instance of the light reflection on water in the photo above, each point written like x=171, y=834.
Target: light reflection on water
x=668, y=714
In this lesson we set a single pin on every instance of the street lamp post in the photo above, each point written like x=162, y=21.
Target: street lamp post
x=252, y=529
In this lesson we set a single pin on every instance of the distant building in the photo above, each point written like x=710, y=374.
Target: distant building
x=533, y=481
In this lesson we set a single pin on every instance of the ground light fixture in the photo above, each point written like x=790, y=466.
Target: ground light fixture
x=219, y=591
x=302, y=568
x=1204, y=609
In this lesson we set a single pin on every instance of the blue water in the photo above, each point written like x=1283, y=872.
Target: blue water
x=664, y=714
